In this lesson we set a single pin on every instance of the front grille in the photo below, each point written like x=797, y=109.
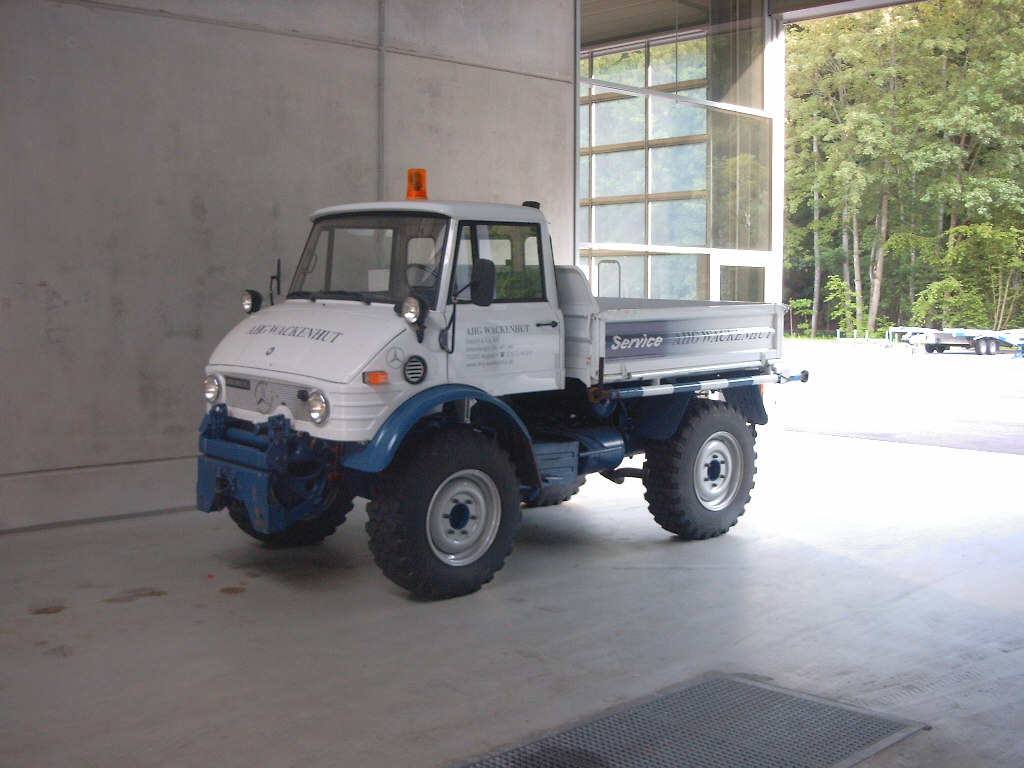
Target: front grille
x=265, y=396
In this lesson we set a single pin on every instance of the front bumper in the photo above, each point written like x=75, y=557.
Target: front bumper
x=278, y=474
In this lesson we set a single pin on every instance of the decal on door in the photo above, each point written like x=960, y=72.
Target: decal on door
x=495, y=346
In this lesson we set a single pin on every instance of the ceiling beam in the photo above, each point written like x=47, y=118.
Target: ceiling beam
x=804, y=10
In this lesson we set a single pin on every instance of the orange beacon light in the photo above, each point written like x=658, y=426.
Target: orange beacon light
x=416, y=188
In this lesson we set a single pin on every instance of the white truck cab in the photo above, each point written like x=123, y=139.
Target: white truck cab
x=338, y=333
x=430, y=357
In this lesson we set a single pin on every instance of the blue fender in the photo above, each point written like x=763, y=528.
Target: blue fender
x=377, y=454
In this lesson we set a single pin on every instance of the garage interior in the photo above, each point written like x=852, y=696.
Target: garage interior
x=168, y=157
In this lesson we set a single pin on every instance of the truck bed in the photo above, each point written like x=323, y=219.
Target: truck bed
x=638, y=339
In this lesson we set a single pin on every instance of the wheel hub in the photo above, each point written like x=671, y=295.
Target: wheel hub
x=463, y=517
x=460, y=515
x=718, y=471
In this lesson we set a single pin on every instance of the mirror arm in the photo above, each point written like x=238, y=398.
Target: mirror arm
x=275, y=278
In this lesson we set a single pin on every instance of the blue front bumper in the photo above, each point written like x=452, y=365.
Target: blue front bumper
x=278, y=474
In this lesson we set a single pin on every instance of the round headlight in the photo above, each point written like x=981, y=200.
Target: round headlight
x=251, y=301
x=412, y=309
x=319, y=408
x=211, y=389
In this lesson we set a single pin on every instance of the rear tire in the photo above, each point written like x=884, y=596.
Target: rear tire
x=699, y=481
x=556, y=494
x=445, y=514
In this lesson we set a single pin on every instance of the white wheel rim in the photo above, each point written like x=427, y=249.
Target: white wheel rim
x=463, y=517
x=718, y=471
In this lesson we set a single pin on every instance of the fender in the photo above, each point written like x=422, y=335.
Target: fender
x=377, y=454
x=658, y=418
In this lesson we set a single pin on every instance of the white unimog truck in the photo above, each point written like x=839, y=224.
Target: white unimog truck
x=432, y=358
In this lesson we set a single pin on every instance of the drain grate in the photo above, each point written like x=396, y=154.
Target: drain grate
x=715, y=721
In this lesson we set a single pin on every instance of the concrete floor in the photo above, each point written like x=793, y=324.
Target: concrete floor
x=877, y=572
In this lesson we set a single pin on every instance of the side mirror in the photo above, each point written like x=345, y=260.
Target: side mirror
x=481, y=289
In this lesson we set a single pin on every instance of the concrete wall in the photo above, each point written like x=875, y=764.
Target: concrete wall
x=159, y=155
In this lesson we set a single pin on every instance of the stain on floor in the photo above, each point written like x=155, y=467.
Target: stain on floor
x=49, y=609
x=131, y=595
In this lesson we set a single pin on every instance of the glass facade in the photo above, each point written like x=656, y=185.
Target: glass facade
x=675, y=161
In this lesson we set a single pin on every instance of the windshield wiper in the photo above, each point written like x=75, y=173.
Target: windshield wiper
x=301, y=295
x=346, y=295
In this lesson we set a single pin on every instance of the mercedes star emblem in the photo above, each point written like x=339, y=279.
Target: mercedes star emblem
x=395, y=357
x=264, y=397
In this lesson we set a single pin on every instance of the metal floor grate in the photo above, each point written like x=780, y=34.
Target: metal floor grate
x=716, y=721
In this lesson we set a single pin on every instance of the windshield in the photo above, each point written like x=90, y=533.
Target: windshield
x=372, y=257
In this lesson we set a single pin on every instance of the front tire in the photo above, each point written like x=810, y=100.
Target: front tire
x=445, y=514
x=699, y=481
x=337, y=503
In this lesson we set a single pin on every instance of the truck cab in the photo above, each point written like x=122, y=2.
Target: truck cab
x=380, y=302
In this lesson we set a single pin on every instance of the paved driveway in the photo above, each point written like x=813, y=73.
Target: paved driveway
x=954, y=400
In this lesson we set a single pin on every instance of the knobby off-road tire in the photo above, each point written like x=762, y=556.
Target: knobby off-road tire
x=445, y=514
x=699, y=481
x=556, y=494
x=337, y=504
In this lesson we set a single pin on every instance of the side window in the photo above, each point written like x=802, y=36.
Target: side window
x=519, y=275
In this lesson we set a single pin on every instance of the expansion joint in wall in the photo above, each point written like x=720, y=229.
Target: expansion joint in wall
x=258, y=28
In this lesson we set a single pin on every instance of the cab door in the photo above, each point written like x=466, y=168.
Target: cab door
x=513, y=345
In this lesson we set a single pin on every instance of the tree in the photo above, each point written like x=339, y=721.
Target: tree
x=905, y=124
x=840, y=297
x=947, y=303
x=989, y=263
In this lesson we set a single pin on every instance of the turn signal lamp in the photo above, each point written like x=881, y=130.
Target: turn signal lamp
x=375, y=377
x=416, y=188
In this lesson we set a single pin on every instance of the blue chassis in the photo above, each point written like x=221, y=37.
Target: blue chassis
x=281, y=475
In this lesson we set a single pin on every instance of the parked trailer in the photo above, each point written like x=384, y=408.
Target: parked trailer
x=984, y=341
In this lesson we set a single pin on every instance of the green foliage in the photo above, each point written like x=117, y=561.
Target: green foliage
x=989, y=262
x=908, y=124
x=801, y=308
x=841, y=299
x=947, y=303
x=907, y=245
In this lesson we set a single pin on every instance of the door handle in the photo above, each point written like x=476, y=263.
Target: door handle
x=552, y=324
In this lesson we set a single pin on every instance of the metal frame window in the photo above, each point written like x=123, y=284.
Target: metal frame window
x=665, y=174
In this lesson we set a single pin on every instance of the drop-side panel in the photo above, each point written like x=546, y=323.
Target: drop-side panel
x=644, y=339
